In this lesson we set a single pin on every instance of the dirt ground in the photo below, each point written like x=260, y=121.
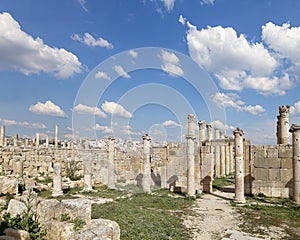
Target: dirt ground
x=212, y=217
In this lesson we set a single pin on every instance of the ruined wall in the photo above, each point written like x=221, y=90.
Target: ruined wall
x=271, y=170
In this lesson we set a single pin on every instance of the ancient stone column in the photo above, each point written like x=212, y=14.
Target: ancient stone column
x=278, y=134
x=146, y=180
x=227, y=159
x=217, y=133
x=56, y=136
x=217, y=154
x=231, y=159
x=16, y=139
x=69, y=145
x=18, y=168
x=209, y=132
x=191, y=156
x=87, y=174
x=111, y=163
x=201, y=125
x=222, y=159
x=63, y=144
x=2, y=136
x=163, y=174
x=284, y=124
x=239, y=165
x=57, y=181
x=26, y=142
x=295, y=130
x=47, y=141
x=37, y=140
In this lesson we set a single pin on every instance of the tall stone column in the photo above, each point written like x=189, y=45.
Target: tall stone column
x=18, y=168
x=2, y=136
x=295, y=130
x=191, y=155
x=239, y=165
x=209, y=132
x=222, y=160
x=146, y=181
x=87, y=144
x=47, y=141
x=227, y=160
x=217, y=133
x=16, y=139
x=231, y=159
x=111, y=163
x=201, y=125
x=37, y=140
x=56, y=136
x=217, y=154
x=284, y=136
x=87, y=174
x=278, y=134
x=57, y=181
x=26, y=142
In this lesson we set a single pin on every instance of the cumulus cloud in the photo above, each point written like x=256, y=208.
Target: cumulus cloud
x=171, y=64
x=295, y=109
x=236, y=62
x=103, y=75
x=84, y=109
x=104, y=129
x=120, y=70
x=133, y=53
x=222, y=126
x=22, y=52
x=48, y=108
x=232, y=100
x=9, y=122
x=171, y=124
x=169, y=4
x=115, y=109
x=89, y=40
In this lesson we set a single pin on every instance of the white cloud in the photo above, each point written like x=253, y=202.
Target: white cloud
x=84, y=109
x=295, y=109
x=133, y=54
x=120, y=70
x=89, y=40
x=22, y=52
x=104, y=129
x=102, y=75
x=48, y=108
x=115, y=109
x=82, y=4
x=9, y=122
x=171, y=64
x=182, y=20
x=222, y=126
x=236, y=62
x=169, y=4
x=171, y=124
x=233, y=100
x=285, y=41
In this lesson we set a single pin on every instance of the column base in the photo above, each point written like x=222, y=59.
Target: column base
x=57, y=193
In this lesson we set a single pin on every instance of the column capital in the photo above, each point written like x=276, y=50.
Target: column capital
x=146, y=137
x=111, y=138
x=201, y=123
x=193, y=137
x=294, y=128
x=191, y=117
x=208, y=126
x=238, y=131
x=284, y=111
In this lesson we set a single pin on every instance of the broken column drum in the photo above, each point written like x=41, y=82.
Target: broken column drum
x=146, y=180
x=57, y=181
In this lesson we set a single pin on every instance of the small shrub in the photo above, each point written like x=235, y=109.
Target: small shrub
x=78, y=224
x=64, y=217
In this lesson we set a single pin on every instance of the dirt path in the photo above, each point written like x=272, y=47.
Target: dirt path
x=212, y=217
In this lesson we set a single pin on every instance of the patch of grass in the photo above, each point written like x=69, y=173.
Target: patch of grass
x=223, y=182
x=46, y=180
x=146, y=216
x=78, y=224
x=103, y=192
x=266, y=212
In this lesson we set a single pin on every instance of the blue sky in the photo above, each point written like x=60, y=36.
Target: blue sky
x=248, y=54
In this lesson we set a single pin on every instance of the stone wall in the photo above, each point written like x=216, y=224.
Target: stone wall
x=271, y=170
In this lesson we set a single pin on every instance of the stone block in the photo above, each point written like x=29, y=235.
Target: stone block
x=16, y=207
x=49, y=210
x=286, y=175
x=272, y=152
x=285, y=151
x=267, y=163
x=17, y=234
x=274, y=174
x=260, y=174
x=286, y=163
x=8, y=185
x=259, y=153
x=77, y=208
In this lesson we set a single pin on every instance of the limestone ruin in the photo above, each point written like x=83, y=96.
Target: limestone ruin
x=189, y=167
